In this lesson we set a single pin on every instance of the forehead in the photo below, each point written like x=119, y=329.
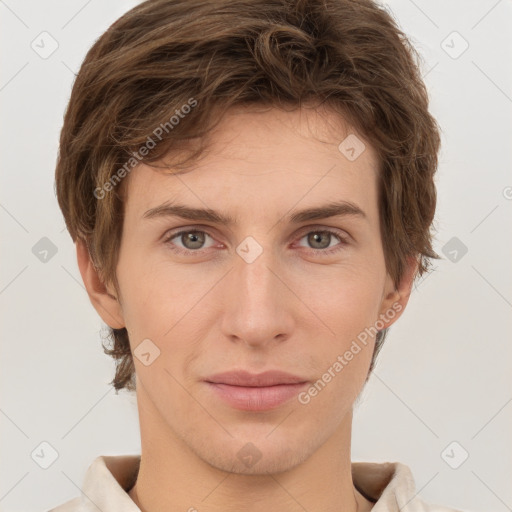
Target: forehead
x=256, y=157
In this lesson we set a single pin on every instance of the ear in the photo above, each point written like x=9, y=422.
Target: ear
x=396, y=298
x=103, y=298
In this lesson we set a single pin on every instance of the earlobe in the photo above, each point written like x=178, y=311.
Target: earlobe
x=397, y=298
x=104, y=300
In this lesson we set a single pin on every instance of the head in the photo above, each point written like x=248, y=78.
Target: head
x=257, y=111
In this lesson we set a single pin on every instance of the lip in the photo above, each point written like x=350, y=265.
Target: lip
x=255, y=392
x=244, y=378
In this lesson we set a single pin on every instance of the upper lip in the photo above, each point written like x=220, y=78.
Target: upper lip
x=244, y=378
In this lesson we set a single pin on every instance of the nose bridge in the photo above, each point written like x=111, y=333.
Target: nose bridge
x=256, y=311
x=256, y=280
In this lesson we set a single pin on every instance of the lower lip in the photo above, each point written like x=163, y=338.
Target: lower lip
x=256, y=398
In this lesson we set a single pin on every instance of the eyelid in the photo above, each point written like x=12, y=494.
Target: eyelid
x=170, y=233
x=320, y=228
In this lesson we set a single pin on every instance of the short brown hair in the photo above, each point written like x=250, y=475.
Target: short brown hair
x=347, y=54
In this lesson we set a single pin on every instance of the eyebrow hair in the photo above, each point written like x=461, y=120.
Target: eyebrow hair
x=333, y=209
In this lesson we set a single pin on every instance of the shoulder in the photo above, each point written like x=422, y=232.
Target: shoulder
x=403, y=489
x=105, y=486
x=430, y=507
x=73, y=505
x=391, y=488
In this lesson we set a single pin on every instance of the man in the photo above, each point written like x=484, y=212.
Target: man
x=250, y=189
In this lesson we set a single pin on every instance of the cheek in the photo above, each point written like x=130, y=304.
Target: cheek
x=345, y=299
x=168, y=306
x=346, y=307
x=343, y=353
x=354, y=309
x=146, y=296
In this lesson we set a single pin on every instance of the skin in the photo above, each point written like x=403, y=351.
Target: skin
x=295, y=308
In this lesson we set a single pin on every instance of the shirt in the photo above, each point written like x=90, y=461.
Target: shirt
x=390, y=485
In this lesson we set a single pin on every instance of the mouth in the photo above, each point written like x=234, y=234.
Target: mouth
x=255, y=392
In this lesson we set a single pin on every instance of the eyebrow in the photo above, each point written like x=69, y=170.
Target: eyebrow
x=332, y=209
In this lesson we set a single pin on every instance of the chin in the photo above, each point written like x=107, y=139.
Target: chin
x=255, y=455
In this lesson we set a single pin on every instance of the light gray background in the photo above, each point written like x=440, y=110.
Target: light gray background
x=443, y=375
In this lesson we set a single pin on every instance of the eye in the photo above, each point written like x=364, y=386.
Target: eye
x=191, y=240
x=194, y=240
x=321, y=240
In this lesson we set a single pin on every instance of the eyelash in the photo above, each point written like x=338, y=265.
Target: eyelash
x=342, y=239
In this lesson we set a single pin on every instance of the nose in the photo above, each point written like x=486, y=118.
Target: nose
x=258, y=305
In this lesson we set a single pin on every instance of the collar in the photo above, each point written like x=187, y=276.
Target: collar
x=390, y=485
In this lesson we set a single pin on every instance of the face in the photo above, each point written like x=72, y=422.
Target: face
x=266, y=282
